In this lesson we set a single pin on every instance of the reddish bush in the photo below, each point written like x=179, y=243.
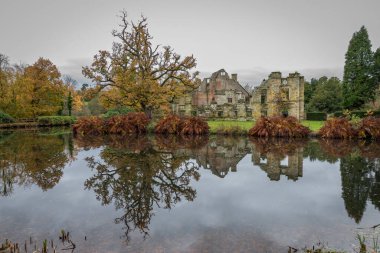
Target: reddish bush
x=89, y=126
x=278, y=126
x=339, y=128
x=194, y=126
x=369, y=128
x=139, y=120
x=171, y=124
x=132, y=123
x=118, y=125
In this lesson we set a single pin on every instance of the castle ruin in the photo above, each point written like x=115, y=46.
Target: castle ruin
x=221, y=96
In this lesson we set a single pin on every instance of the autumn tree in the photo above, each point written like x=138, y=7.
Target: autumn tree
x=44, y=88
x=4, y=82
x=139, y=74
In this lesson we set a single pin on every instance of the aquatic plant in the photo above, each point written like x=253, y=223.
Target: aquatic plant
x=278, y=126
x=339, y=128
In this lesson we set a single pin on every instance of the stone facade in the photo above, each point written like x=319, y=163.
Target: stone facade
x=219, y=96
x=278, y=95
x=222, y=96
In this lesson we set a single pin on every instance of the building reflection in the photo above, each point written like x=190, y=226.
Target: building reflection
x=279, y=157
x=222, y=155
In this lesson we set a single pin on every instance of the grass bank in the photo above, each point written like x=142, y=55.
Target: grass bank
x=246, y=125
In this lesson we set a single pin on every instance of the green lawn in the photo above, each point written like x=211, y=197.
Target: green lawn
x=313, y=125
x=246, y=125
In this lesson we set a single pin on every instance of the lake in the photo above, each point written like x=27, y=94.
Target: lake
x=188, y=194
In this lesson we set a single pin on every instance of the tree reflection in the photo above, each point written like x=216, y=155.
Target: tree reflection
x=360, y=173
x=30, y=158
x=136, y=176
x=356, y=184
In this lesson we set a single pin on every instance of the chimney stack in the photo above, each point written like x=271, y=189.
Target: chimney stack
x=234, y=77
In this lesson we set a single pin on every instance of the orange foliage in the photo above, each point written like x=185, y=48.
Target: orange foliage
x=132, y=123
x=89, y=126
x=171, y=124
x=369, y=128
x=339, y=128
x=278, y=126
x=194, y=126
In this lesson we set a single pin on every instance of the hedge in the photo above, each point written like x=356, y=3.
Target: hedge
x=6, y=118
x=55, y=120
x=360, y=114
x=319, y=116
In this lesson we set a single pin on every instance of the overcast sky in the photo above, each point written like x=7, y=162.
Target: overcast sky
x=251, y=38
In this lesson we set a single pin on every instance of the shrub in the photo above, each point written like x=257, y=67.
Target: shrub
x=117, y=111
x=279, y=126
x=320, y=116
x=171, y=124
x=339, y=128
x=6, y=118
x=55, y=120
x=132, y=123
x=89, y=126
x=194, y=126
x=369, y=128
x=361, y=114
x=139, y=121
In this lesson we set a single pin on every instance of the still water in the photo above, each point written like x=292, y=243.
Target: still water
x=170, y=194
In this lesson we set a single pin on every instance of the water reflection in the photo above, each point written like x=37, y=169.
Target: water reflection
x=136, y=175
x=139, y=175
x=27, y=159
x=279, y=157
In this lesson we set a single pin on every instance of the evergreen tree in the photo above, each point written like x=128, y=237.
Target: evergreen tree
x=70, y=103
x=358, y=80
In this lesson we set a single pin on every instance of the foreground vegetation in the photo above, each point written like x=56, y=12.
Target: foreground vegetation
x=267, y=127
